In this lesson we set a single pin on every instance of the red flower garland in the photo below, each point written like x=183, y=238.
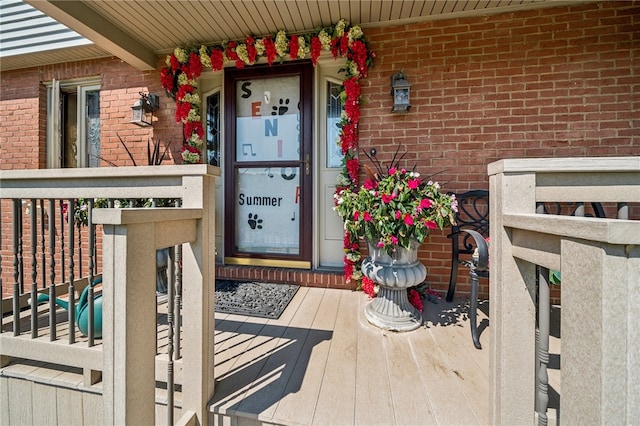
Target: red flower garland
x=342, y=40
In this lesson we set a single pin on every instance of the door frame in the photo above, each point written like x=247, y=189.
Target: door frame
x=304, y=70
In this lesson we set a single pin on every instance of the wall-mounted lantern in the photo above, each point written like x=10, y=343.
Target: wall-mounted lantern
x=142, y=111
x=400, y=91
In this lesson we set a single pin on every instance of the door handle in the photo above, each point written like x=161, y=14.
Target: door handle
x=307, y=165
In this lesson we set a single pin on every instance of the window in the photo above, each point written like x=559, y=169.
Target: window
x=213, y=129
x=334, y=111
x=73, y=124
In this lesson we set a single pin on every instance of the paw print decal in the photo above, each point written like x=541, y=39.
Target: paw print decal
x=282, y=108
x=254, y=222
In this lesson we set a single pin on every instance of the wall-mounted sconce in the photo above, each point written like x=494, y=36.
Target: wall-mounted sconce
x=400, y=90
x=142, y=111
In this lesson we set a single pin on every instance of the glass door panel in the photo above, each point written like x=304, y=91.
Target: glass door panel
x=269, y=114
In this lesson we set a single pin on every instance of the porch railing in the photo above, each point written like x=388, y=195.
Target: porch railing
x=129, y=238
x=599, y=261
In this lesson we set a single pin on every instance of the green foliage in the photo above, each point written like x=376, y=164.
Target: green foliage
x=395, y=209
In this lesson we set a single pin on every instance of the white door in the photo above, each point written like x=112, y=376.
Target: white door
x=329, y=225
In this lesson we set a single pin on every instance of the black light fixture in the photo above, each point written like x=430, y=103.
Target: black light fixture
x=400, y=91
x=142, y=111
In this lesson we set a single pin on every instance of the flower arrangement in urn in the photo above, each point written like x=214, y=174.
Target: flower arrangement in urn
x=395, y=209
x=395, y=212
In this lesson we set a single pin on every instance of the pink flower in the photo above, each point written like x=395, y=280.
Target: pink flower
x=425, y=203
x=408, y=220
x=387, y=198
x=367, y=217
x=413, y=183
x=430, y=224
x=380, y=244
x=398, y=214
x=394, y=240
x=370, y=184
x=356, y=215
x=392, y=171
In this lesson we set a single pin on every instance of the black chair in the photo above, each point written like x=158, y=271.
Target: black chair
x=469, y=233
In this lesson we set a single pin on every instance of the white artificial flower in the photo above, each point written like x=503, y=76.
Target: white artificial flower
x=204, y=57
x=181, y=55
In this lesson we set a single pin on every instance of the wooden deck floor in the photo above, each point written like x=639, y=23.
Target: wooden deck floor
x=322, y=363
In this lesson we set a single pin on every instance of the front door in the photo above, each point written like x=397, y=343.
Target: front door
x=268, y=175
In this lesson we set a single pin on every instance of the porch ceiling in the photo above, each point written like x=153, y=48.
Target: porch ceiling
x=138, y=31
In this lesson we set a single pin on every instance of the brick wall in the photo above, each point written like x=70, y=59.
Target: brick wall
x=552, y=82
x=542, y=83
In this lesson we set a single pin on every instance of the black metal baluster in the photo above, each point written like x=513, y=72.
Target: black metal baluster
x=72, y=302
x=171, y=324
x=42, y=245
x=34, y=269
x=17, y=263
x=1, y=287
x=90, y=298
x=62, y=252
x=52, y=269
x=178, y=299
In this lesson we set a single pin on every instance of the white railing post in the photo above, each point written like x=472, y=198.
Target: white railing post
x=198, y=285
x=512, y=307
x=600, y=339
x=129, y=315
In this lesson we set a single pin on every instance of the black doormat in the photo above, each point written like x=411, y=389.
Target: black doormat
x=263, y=300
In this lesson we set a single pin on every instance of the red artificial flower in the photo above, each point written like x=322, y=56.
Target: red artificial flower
x=358, y=54
x=415, y=300
x=348, y=269
x=239, y=63
x=192, y=149
x=167, y=79
x=195, y=66
x=344, y=44
x=182, y=110
x=348, y=138
x=187, y=147
x=294, y=44
x=183, y=90
x=367, y=217
x=316, y=50
x=368, y=287
x=231, y=51
x=353, y=168
x=334, y=47
x=356, y=215
x=217, y=59
x=175, y=64
x=191, y=127
x=269, y=49
x=251, y=49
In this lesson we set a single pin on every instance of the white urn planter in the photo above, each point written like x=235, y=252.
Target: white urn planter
x=391, y=309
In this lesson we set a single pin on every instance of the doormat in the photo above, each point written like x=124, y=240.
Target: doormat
x=254, y=299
